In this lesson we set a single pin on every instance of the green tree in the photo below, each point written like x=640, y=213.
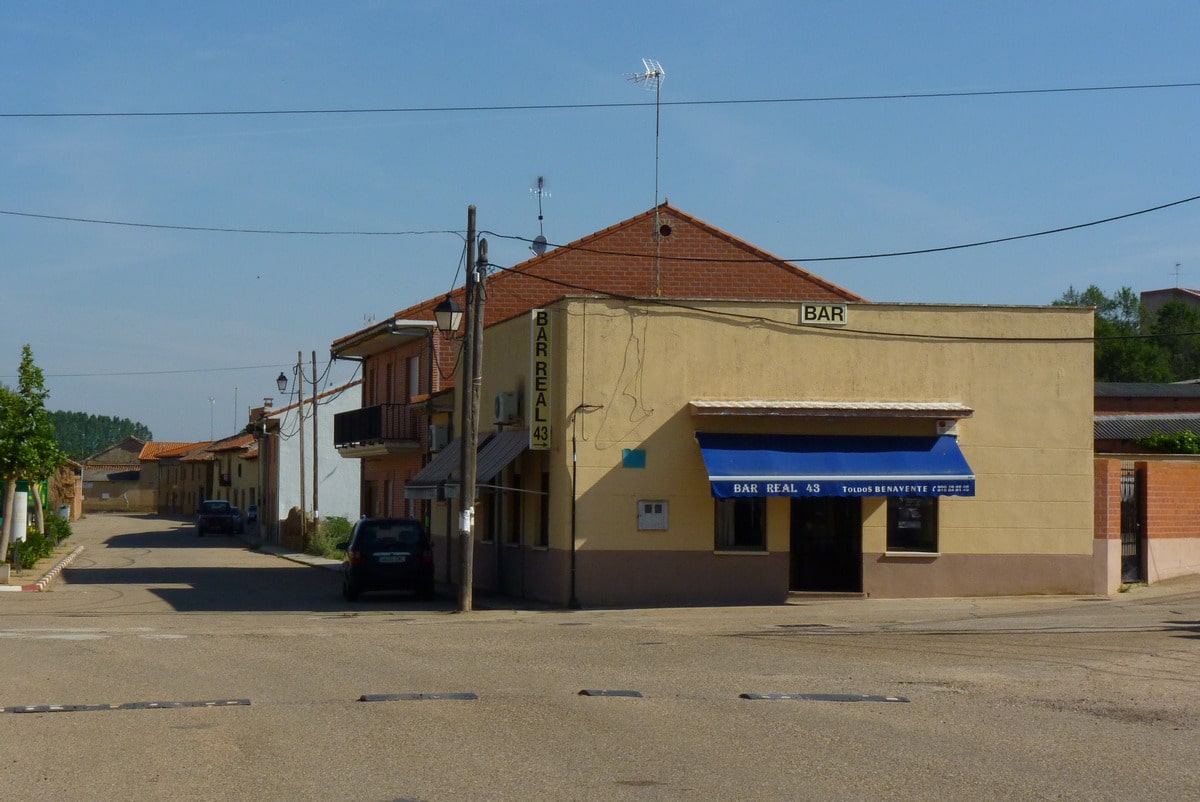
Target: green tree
x=27, y=446
x=1175, y=328
x=81, y=434
x=1125, y=348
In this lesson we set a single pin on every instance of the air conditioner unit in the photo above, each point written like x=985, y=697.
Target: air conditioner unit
x=506, y=408
x=439, y=436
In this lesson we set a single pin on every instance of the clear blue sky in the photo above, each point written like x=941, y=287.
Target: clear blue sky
x=150, y=323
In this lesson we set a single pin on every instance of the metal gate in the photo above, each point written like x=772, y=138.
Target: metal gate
x=1133, y=537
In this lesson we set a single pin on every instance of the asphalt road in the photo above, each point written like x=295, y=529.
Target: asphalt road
x=1043, y=698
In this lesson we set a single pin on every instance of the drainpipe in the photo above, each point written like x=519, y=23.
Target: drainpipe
x=573, y=601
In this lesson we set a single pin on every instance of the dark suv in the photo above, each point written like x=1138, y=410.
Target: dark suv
x=218, y=516
x=387, y=554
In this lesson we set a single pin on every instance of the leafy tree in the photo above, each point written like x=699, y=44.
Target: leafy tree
x=80, y=434
x=1175, y=328
x=1129, y=343
x=27, y=446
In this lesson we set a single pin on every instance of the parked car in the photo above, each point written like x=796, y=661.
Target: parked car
x=252, y=514
x=218, y=516
x=387, y=554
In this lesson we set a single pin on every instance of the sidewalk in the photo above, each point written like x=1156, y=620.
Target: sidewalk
x=39, y=576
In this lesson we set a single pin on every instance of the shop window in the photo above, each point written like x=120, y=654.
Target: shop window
x=741, y=524
x=912, y=523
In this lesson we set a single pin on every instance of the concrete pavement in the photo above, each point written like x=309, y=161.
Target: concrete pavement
x=1141, y=607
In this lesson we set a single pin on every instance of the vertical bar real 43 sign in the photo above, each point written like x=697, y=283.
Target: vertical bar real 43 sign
x=539, y=380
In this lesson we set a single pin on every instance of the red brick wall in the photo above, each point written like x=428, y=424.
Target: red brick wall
x=1108, y=499
x=1172, y=500
x=691, y=262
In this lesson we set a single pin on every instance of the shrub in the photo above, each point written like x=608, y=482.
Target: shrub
x=331, y=531
x=35, y=547
x=58, y=528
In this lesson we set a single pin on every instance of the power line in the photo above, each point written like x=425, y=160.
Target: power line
x=586, y=106
x=686, y=307
x=940, y=249
x=219, y=230
x=585, y=249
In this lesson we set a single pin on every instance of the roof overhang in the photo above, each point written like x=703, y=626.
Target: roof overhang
x=832, y=409
x=382, y=337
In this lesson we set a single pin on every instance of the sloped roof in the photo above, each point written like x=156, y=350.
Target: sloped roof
x=233, y=443
x=550, y=265
x=276, y=412
x=1147, y=390
x=158, y=448
x=1137, y=427
x=128, y=448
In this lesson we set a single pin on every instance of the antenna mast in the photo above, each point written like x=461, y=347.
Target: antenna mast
x=539, y=244
x=652, y=78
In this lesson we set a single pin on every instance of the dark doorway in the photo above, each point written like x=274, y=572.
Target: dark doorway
x=1133, y=525
x=827, y=545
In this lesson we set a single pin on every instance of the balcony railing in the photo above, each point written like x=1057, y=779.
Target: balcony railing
x=382, y=423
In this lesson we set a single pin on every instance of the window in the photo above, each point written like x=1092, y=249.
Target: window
x=741, y=524
x=414, y=375
x=912, y=523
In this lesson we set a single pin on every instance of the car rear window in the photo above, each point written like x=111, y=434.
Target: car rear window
x=214, y=506
x=390, y=534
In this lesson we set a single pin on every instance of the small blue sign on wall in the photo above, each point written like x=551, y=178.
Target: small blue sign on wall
x=633, y=458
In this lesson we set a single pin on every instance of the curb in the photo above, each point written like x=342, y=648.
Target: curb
x=50, y=575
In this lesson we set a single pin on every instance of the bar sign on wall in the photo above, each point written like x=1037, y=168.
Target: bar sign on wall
x=539, y=379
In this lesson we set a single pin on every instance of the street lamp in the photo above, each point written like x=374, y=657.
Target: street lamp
x=448, y=315
x=281, y=381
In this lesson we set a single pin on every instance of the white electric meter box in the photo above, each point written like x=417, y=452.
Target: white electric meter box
x=506, y=408
x=652, y=515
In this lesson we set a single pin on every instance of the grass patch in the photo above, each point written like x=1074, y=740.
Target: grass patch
x=330, y=532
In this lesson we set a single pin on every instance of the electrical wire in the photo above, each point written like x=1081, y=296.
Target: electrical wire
x=843, y=330
x=884, y=255
x=599, y=251
x=620, y=105
x=220, y=230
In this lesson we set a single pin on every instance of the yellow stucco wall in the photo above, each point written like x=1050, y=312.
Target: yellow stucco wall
x=1025, y=371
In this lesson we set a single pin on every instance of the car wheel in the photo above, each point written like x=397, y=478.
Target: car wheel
x=349, y=589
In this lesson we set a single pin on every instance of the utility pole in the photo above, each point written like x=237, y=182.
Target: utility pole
x=472, y=382
x=300, y=428
x=316, y=440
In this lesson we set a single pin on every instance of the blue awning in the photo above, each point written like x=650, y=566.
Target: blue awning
x=756, y=465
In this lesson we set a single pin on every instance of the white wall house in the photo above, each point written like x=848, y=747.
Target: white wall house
x=284, y=469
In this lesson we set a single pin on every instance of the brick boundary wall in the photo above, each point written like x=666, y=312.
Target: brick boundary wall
x=1172, y=516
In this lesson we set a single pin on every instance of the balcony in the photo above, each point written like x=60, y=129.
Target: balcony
x=379, y=430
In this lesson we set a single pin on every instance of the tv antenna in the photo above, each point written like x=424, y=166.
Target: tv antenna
x=652, y=78
x=539, y=188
